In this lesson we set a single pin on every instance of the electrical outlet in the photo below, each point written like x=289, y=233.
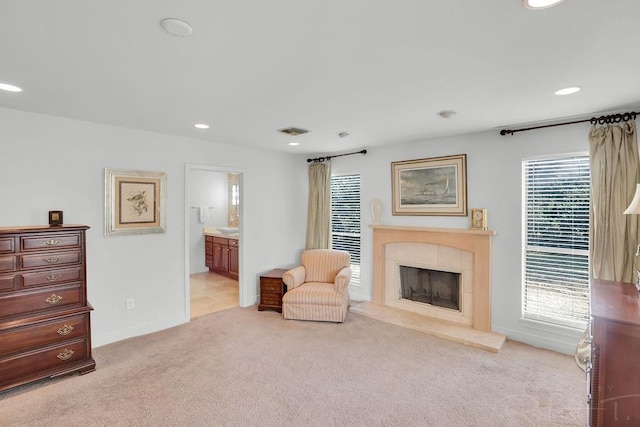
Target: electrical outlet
x=130, y=305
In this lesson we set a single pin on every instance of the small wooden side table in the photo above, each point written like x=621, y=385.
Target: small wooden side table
x=272, y=288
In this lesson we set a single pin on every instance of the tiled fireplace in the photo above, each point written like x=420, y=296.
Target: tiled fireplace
x=464, y=252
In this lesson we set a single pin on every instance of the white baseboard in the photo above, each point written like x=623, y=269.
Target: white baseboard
x=147, y=328
x=559, y=343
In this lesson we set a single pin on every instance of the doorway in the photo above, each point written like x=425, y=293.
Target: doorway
x=212, y=211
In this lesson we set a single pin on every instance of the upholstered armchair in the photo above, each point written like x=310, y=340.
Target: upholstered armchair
x=318, y=289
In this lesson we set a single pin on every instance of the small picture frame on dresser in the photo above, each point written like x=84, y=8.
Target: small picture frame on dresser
x=55, y=218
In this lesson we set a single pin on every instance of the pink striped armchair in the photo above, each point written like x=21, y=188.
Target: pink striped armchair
x=318, y=289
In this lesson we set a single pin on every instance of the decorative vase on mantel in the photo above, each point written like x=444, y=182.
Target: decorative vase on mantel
x=376, y=210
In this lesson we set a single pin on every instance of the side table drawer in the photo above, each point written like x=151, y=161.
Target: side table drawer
x=273, y=287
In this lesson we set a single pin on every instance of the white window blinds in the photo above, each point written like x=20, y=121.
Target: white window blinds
x=345, y=219
x=556, y=247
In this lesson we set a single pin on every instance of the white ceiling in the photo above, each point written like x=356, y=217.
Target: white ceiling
x=381, y=70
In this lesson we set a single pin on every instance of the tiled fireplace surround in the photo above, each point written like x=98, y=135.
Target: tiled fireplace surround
x=461, y=250
x=458, y=250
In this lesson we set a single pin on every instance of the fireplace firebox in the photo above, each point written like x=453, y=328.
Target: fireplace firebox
x=436, y=287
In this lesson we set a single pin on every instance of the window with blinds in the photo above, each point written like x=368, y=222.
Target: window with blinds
x=556, y=240
x=345, y=219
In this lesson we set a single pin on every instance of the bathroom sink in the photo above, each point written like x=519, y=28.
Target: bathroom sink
x=228, y=230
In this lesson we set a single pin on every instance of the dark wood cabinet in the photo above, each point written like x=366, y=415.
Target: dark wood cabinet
x=614, y=370
x=208, y=251
x=45, y=328
x=221, y=255
x=234, y=264
x=272, y=288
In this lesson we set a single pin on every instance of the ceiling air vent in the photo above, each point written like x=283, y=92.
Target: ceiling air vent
x=293, y=131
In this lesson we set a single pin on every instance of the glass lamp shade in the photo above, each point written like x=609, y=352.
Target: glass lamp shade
x=634, y=206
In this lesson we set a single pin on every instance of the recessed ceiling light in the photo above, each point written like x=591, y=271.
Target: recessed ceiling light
x=10, y=88
x=540, y=4
x=567, y=90
x=343, y=134
x=201, y=126
x=176, y=27
x=293, y=144
x=447, y=114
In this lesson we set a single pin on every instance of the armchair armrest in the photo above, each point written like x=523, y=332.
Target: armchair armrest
x=342, y=279
x=294, y=277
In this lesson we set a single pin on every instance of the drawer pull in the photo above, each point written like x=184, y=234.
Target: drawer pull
x=52, y=242
x=65, y=330
x=53, y=299
x=54, y=277
x=66, y=354
x=51, y=260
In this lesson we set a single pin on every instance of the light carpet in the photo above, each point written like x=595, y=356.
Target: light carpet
x=241, y=367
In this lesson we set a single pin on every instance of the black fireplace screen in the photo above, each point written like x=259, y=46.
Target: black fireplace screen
x=435, y=287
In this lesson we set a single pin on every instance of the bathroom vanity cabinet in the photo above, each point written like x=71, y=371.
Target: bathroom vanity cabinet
x=221, y=255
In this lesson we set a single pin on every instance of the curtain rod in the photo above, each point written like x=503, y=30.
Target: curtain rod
x=322, y=159
x=613, y=118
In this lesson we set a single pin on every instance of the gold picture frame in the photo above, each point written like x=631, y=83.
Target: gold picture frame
x=134, y=202
x=431, y=186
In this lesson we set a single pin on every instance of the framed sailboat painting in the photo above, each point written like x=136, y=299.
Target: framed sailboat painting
x=433, y=186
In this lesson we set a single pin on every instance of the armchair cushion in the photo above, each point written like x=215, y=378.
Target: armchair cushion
x=323, y=265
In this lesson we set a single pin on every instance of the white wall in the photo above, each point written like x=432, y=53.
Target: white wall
x=208, y=189
x=50, y=163
x=494, y=182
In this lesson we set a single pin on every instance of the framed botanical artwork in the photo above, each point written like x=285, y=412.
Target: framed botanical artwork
x=434, y=186
x=134, y=202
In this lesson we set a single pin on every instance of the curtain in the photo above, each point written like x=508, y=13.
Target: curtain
x=319, y=207
x=615, y=172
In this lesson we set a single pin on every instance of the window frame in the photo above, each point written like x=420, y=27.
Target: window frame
x=571, y=323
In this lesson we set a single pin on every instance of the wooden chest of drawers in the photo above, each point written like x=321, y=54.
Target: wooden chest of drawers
x=272, y=288
x=45, y=328
x=613, y=371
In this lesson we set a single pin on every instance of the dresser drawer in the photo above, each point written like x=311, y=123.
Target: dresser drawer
x=233, y=242
x=25, y=302
x=53, y=358
x=51, y=259
x=7, y=263
x=7, y=283
x=6, y=245
x=43, y=333
x=51, y=277
x=47, y=242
